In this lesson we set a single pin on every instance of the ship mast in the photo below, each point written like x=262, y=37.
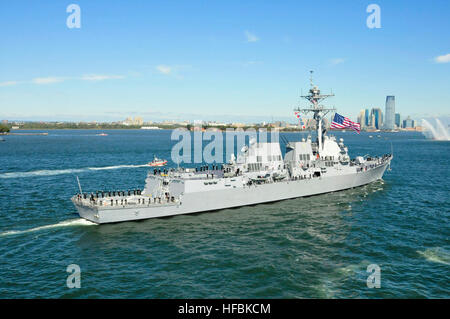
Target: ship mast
x=319, y=111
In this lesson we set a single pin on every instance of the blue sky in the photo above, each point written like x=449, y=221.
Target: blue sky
x=219, y=60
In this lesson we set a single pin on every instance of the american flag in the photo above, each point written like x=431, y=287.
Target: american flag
x=340, y=122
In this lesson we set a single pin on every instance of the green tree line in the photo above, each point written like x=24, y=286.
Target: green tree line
x=4, y=128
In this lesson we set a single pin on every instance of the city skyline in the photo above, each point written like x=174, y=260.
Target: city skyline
x=251, y=65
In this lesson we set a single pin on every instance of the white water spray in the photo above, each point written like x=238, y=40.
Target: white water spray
x=438, y=132
x=443, y=130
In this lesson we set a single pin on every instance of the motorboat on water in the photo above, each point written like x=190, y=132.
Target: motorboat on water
x=157, y=162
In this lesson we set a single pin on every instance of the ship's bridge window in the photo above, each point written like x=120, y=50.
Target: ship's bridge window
x=254, y=166
x=273, y=158
x=259, y=159
x=303, y=157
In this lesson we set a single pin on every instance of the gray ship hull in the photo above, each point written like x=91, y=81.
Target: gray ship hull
x=196, y=202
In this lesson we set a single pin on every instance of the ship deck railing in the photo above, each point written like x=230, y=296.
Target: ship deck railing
x=194, y=175
x=120, y=201
x=374, y=163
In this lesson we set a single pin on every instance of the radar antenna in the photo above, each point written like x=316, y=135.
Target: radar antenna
x=319, y=111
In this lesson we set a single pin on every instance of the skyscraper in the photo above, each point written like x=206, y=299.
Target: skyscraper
x=362, y=118
x=366, y=118
x=377, y=118
x=390, y=113
x=398, y=121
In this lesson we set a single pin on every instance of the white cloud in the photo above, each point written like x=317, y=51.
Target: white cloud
x=54, y=79
x=164, y=69
x=442, y=58
x=337, y=61
x=251, y=37
x=249, y=63
x=8, y=83
x=98, y=77
x=47, y=80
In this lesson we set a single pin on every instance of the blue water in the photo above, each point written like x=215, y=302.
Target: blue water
x=315, y=247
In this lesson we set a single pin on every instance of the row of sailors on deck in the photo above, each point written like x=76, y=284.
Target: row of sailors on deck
x=124, y=201
x=109, y=194
x=204, y=168
x=142, y=201
x=207, y=168
x=158, y=171
x=379, y=161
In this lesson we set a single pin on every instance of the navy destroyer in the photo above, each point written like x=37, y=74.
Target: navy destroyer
x=259, y=174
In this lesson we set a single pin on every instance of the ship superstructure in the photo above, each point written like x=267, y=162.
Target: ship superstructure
x=258, y=174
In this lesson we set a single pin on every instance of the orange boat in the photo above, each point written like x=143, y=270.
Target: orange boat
x=157, y=162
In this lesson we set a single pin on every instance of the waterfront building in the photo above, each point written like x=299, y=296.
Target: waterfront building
x=366, y=117
x=138, y=120
x=398, y=122
x=389, y=123
x=408, y=123
x=377, y=118
x=130, y=121
x=362, y=118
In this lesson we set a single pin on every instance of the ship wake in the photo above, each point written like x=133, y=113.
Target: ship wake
x=436, y=255
x=64, y=171
x=66, y=223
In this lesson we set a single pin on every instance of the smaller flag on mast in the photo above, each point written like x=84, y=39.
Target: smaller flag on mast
x=340, y=122
x=300, y=121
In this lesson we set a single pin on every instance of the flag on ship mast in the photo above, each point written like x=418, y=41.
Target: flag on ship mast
x=300, y=121
x=341, y=122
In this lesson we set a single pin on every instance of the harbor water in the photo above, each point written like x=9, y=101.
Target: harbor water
x=314, y=247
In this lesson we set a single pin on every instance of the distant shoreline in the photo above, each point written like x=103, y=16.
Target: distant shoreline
x=17, y=131
x=69, y=128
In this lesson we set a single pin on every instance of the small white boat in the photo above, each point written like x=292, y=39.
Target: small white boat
x=102, y=134
x=157, y=162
